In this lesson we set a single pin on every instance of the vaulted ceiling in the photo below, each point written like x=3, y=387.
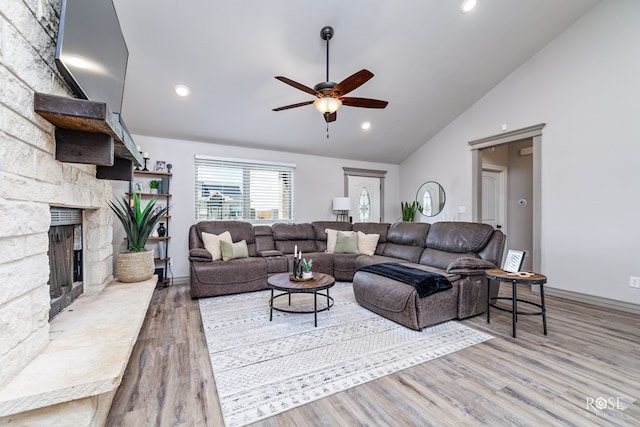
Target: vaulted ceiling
x=430, y=61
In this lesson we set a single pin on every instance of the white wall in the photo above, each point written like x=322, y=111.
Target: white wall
x=317, y=181
x=584, y=85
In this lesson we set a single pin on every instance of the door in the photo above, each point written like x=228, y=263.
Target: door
x=493, y=196
x=364, y=193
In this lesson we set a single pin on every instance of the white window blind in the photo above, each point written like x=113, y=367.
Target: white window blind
x=245, y=190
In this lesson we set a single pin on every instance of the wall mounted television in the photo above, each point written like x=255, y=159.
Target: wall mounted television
x=91, y=52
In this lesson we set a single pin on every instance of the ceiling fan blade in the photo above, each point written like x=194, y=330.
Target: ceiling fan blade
x=363, y=102
x=297, y=85
x=352, y=82
x=330, y=117
x=299, y=104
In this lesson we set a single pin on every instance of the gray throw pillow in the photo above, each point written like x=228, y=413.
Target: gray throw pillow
x=346, y=243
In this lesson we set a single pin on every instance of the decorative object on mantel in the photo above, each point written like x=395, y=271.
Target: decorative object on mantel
x=160, y=165
x=169, y=167
x=342, y=205
x=137, y=263
x=409, y=210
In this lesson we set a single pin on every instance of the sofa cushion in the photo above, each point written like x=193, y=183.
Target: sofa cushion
x=459, y=237
x=367, y=243
x=287, y=236
x=234, y=250
x=406, y=240
x=212, y=243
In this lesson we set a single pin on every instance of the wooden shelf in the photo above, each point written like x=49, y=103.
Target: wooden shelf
x=79, y=124
x=162, y=259
x=151, y=194
x=151, y=173
x=155, y=239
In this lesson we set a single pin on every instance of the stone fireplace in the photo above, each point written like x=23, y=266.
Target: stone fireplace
x=31, y=181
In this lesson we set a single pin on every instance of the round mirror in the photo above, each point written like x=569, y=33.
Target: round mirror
x=431, y=198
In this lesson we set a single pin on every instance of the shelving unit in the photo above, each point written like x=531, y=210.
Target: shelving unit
x=164, y=196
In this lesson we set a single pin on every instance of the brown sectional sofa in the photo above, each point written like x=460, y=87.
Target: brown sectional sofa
x=460, y=251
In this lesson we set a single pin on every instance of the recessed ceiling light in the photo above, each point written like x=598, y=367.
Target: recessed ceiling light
x=182, y=90
x=365, y=125
x=467, y=6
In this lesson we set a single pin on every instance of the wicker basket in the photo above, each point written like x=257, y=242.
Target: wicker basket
x=134, y=266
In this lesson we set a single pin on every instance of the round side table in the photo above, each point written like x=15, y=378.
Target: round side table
x=516, y=279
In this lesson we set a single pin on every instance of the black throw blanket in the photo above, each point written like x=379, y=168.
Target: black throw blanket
x=425, y=282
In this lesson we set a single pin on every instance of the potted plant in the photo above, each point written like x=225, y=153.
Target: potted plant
x=154, y=185
x=136, y=264
x=306, y=268
x=409, y=210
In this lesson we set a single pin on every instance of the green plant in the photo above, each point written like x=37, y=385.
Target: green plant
x=409, y=210
x=138, y=223
x=154, y=184
x=306, y=265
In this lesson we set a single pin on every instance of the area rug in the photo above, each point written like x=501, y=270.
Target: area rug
x=262, y=368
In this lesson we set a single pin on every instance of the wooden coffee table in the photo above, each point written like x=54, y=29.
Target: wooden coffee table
x=282, y=282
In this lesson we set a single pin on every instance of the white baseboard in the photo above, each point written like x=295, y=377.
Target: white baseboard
x=595, y=300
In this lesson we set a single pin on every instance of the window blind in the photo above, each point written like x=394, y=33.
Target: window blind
x=228, y=189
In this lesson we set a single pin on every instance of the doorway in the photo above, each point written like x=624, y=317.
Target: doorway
x=365, y=189
x=522, y=204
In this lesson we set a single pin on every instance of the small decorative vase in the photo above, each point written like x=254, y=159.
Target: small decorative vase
x=307, y=274
x=153, y=191
x=162, y=231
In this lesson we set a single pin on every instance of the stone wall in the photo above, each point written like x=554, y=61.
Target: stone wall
x=31, y=181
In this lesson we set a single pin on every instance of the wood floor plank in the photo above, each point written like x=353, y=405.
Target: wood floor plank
x=590, y=352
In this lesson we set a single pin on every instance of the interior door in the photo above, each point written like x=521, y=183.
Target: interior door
x=493, y=198
x=364, y=193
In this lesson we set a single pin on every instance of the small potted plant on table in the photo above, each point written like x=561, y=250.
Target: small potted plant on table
x=306, y=268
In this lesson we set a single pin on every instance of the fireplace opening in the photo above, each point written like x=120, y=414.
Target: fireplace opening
x=65, y=258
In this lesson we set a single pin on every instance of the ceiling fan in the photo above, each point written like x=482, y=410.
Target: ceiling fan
x=329, y=95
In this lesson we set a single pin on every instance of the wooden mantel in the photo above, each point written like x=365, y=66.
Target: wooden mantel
x=86, y=132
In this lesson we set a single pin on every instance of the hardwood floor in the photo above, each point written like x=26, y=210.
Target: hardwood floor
x=586, y=371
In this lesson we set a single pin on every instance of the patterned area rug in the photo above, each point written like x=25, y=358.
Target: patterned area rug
x=263, y=368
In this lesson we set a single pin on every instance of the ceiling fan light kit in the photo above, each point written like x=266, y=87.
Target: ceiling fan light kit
x=331, y=96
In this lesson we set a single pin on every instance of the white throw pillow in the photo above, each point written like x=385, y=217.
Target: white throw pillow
x=212, y=243
x=332, y=235
x=367, y=243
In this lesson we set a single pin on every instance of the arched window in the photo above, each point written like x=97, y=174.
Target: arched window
x=364, y=206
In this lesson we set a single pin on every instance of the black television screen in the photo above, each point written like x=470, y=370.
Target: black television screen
x=91, y=52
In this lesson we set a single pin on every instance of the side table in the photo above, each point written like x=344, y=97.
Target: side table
x=517, y=279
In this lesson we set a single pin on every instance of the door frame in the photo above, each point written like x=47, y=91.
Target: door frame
x=371, y=173
x=534, y=132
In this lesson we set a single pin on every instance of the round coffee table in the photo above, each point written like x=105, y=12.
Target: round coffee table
x=517, y=279
x=282, y=282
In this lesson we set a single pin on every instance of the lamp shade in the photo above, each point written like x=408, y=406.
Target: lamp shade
x=327, y=104
x=341, y=204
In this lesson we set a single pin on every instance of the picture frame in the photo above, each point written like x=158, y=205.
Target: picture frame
x=161, y=166
x=513, y=261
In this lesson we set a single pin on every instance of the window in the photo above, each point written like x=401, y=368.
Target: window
x=245, y=190
x=364, y=206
